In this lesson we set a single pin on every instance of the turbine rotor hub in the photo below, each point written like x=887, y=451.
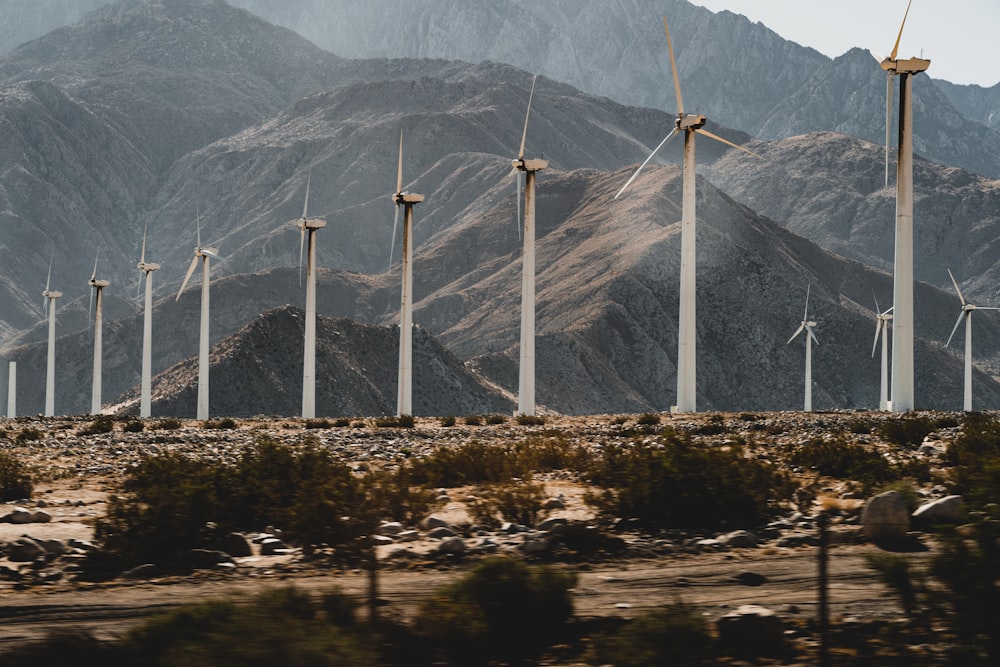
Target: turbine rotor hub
x=690, y=121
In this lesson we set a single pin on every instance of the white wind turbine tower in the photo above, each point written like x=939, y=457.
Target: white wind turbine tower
x=966, y=315
x=902, y=289
x=690, y=124
x=882, y=319
x=203, y=254
x=145, y=391
x=97, y=300
x=526, y=367
x=404, y=385
x=807, y=326
x=49, y=304
x=309, y=228
x=12, y=390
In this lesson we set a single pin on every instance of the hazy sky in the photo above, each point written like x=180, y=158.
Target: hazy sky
x=958, y=36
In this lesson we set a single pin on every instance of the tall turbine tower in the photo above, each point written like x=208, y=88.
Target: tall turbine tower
x=966, y=315
x=882, y=319
x=807, y=326
x=145, y=391
x=526, y=367
x=204, y=255
x=902, y=288
x=690, y=124
x=97, y=298
x=404, y=385
x=309, y=228
x=12, y=390
x=49, y=304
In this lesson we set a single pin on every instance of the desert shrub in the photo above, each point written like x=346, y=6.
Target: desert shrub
x=102, y=424
x=713, y=425
x=133, y=426
x=407, y=421
x=495, y=419
x=28, y=434
x=473, y=420
x=318, y=423
x=648, y=419
x=16, y=481
x=471, y=463
x=283, y=626
x=911, y=430
x=843, y=460
x=387, y=422
x=503, y=609
x=544, y=453
x=394, y=495
x=676, y=635
x=975, y=456
x=678, y=484
x=447, y=421
x=518, y=503
x=224, y=424
x=860, y=426
x=530, y=420
x=167, y=424
x=619, y=420
x=748, y=416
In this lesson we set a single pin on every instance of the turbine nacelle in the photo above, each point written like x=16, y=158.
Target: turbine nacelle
x=407, y=198
x=207, y=252
x=147, y=266
x=98, y=283
x=690, y=121
x=51, y=294
x=529, y=165
x=312, y=224
x=908, y=66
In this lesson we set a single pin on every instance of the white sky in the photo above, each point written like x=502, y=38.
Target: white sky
x=960, y=37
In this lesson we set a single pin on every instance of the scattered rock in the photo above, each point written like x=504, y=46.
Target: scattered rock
x=740, y=539
x=203, y=559
x=390, y=528
x=554, y=504
x=752, y=630
x=441, y=532
x=432, y=522
x=144, y=571
x=947, y=510
x=452, y=545
x=269, y=546
x=24, y=550
x=750, y=579
x=550, y=523
x=886, y=518
x=236, y=545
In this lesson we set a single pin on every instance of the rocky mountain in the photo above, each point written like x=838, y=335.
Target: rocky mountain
x=24, y=20
x=976, y=102
x=253, y=372
x=830, y=188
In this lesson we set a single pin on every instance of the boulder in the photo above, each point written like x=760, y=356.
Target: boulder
x=40, y=516
x=236, y=545
x=752, y=630
x=947, y=510
x=203, y=559
x=886, y=518
x=270, y=546
x=740, y=539
x=144, y=571
x=452, y=545
x=54, y=547
x=20, y=515
x=24, y=550
x=390, y=528
x=548, y=524
x=441, y=532
x=432, y=522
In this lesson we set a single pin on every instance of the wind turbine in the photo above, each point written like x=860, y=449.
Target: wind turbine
x=966, y=314
x=807, y=326
x=49, y=297
x=12, y=390
x=902, y=288
x=526, y=367
x=204, y=255
x=882, y=319
x=309, y=228
x=404, y=385
x=690, y=124
x=97, y=297
x=145, y=391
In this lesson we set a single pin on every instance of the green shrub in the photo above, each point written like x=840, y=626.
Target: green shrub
x=318, y=423
x=342, y=422
x=714, y=425
x=843, y=460
x=447, y=421
x=648, y=419
x=64, y=647
x=28, y=434
x=473, y=420
x=387, y=422
x=133, y=426
x=544, y=453
x=675, y=635
x=911, y=430
x=678, y=484
x=407, y=421
x=502, y=610
x=15, y=479
x=495, y=419
x=975, y=456
x=102, y=424
x=167, y=424
x=224, y=424
x=472, y=463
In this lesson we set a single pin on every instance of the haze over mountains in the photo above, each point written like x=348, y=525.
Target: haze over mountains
x=152, y=110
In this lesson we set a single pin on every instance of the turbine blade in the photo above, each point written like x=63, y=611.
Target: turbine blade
x=520, y=189
x=49, y=277
x=812, y=335
x=955, y=283
x=96, y=257
x=302, y=247
x=797, y=332
x=878, y=311
x=392, y=248
x=191, y=268
x=145, y=228
x=197, y=212
x=655, y=151
x=90, y=309
x=138, y=287
x=888, y=122
x=957, y=322
x=45, y=306
x=895, y=48
x=673, y=68
x=878, y=330
x=305, y=205
x=524, y=133
x=399, y=170
x=708, y=134
x=805, y=316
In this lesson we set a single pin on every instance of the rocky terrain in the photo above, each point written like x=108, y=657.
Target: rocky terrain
x=773, y=564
